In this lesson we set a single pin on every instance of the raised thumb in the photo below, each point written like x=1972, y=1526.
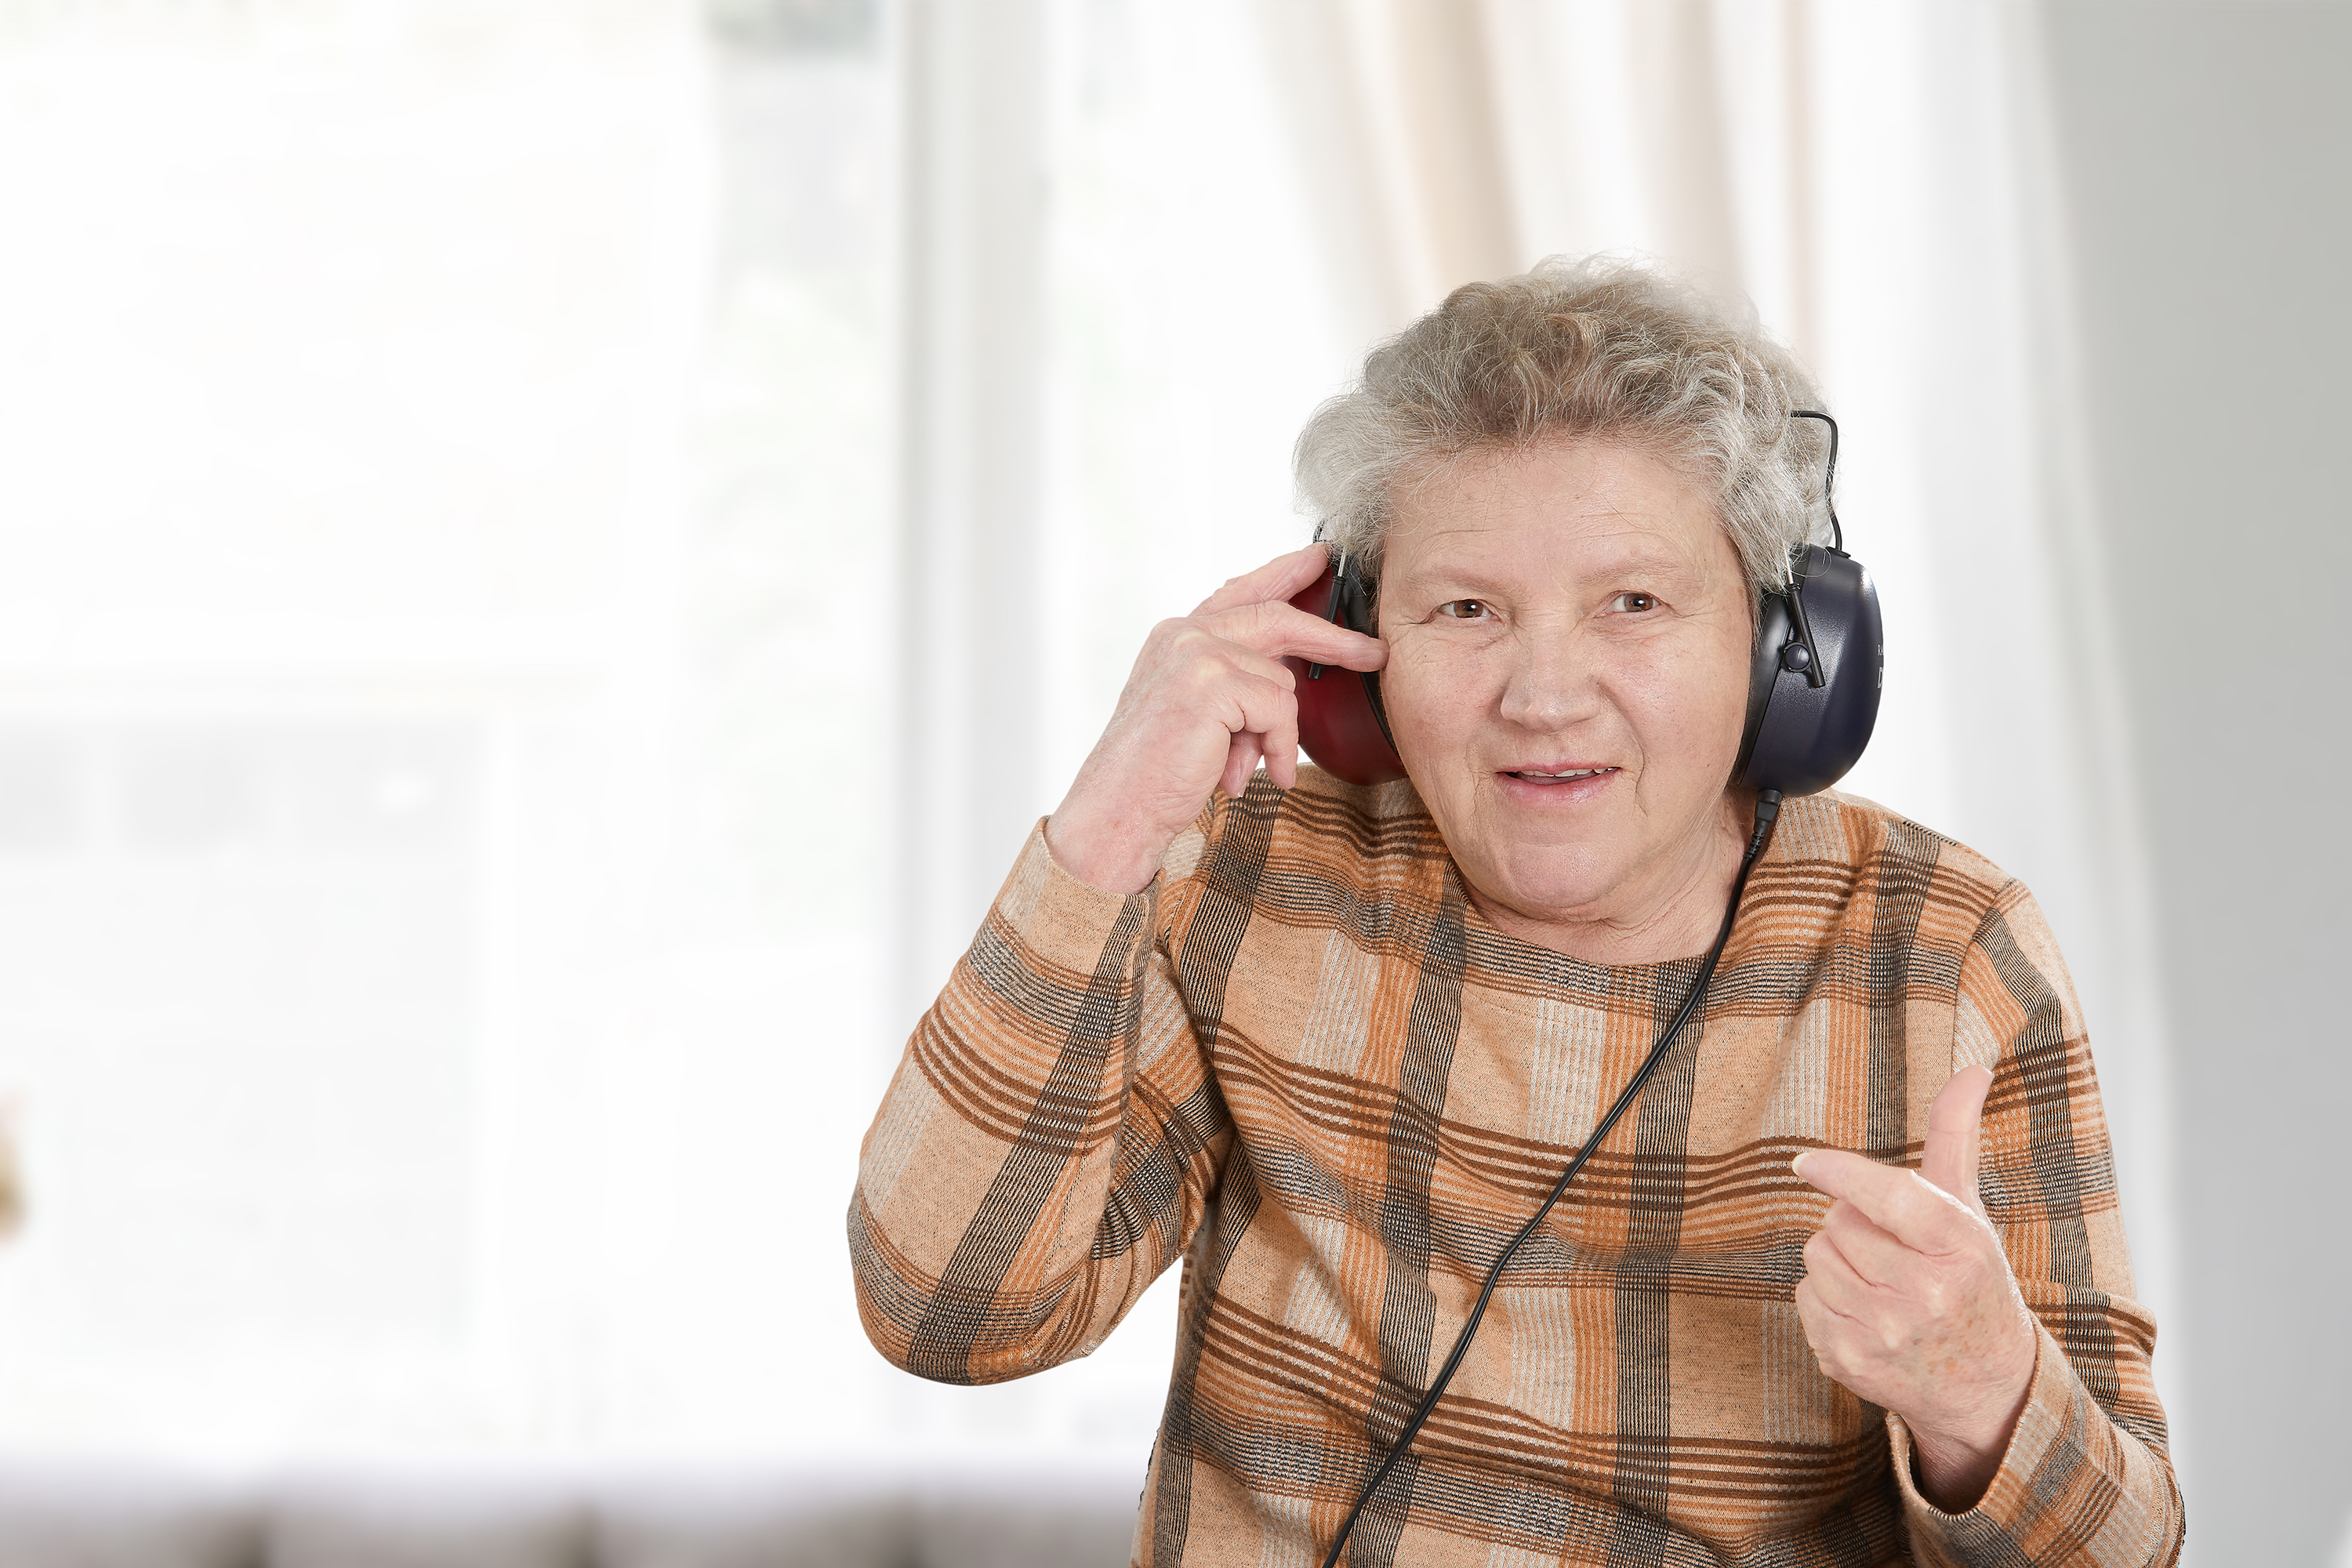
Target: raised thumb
x=1954, y=1130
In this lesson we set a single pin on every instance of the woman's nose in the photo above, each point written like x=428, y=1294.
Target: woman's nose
x=1550, y=685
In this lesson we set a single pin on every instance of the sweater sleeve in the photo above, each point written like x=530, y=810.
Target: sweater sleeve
x=2088, y=1479
x=1050, y=1141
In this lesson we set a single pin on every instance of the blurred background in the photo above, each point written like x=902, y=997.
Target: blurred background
x=551, y=549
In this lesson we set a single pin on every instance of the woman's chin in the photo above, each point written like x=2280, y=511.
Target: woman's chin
x=1577, y=893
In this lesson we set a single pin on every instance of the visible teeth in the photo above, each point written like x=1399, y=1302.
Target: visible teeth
x=1571, y=773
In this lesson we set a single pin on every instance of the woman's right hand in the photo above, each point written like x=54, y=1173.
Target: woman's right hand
x=1208, y=697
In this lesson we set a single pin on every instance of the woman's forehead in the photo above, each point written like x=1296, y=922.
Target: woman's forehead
x=1578, y=507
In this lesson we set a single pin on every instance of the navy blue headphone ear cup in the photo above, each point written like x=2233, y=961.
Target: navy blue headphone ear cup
x=1773, y=625
x=1803, y=737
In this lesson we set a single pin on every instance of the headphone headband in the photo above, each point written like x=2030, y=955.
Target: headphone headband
x=1829, y=480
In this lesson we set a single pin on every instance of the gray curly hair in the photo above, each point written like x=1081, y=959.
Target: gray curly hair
x=1602, y=348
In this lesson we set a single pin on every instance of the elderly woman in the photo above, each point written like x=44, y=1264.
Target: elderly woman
x=1334, y=1044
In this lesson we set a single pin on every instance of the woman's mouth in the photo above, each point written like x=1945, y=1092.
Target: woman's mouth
x=1558, y=775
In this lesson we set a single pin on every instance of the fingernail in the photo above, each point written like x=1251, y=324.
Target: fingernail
x=1797, y=1163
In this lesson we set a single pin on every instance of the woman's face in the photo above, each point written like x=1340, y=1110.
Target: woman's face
x=1569, y=632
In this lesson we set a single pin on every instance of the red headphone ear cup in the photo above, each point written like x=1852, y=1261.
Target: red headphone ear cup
x=1336, y=725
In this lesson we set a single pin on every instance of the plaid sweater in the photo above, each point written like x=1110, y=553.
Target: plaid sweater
x=1301, y=1060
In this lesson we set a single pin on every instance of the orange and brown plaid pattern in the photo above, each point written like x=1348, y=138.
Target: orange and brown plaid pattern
x=1301, y=1060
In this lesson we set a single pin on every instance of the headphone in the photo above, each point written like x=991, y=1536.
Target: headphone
x=1813, y=681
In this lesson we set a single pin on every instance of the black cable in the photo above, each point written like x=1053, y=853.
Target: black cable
x=1767, y=811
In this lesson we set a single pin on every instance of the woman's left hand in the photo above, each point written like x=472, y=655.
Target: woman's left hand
x=1908, y=1301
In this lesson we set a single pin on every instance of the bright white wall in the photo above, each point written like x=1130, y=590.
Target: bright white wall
x=2205, y=150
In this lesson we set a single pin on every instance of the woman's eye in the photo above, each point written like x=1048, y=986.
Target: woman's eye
x=1637, y=603
x=1465, y=609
